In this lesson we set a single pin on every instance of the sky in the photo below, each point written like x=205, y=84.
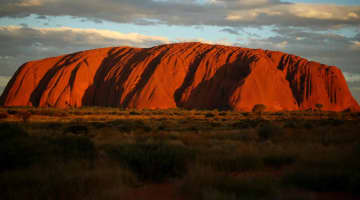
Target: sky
x=327, y=31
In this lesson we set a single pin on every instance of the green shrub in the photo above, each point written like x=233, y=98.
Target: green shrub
x=71, y=181
x=231, y=162
x=269, y=131
x=308, y=125
x=18, y=150
x=259, y=108
x=53, y=112
x=222, y=114
x=336, y=122
x=323, y=180
x=201, y=182
x=241, y=125
x=131, y=125
x=9, y=131
x=278, y=160
x=134, y=113
x=3, y=115
x=69, y=148
x=12, y=112
x=209, y=115
x=319, y=106
x=354, y=183
x=290, y=124
x=192, y=129
x=152, y=161
x=77, y=129
x=233, y=136
x=246, y=188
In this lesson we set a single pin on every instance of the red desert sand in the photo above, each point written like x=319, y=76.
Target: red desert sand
x=185, y=75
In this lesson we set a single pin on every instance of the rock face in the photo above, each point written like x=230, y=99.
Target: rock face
x=186, y=75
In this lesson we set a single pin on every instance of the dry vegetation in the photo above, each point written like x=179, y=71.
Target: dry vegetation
x=107, y=153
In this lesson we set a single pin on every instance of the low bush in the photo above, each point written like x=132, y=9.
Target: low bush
x=269, y=131
x=231, y=162
x=308, y=125
x=222, y=113
x=152, y=161
x=324, y=180
x=244, y=124
x=3, y=116
x=241, y=125
x=77, y=129
x=233, y=136
x=131, y=125
x=259, y=108
x=336, y=122
x=278, y=160
x=68, y=148
x=9, y=131
x=134, y=113
x=66, y=182
x=209, y=115
x=12, y=112
x=291, y=124
x=202, y=181
x=53, y=112
x=19, y=150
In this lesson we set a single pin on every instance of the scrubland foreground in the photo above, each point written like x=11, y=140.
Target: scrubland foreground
x=107, y=153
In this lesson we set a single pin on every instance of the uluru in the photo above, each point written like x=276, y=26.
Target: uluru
x=181, y=75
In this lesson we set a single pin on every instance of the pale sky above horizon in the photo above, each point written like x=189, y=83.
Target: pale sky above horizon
x=327, y=31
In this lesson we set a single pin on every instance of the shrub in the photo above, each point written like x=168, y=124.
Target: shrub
x=12, y=112
x=337, y=122
x=77, y=129
x=290, y=124
x=278, y=160
x=134, y=113
x=231, y=162
x=193, y=129
x=53, y=112
x=308, y=125
x=17, y=149
x=71, y=181
x=152, y=161
x=215, y=124
x=208, y=115
x=3, y=115
x=25, y=116
x=259, y=108
x=69, y=148
x=9, y=131
x=241, y=125
x=269, y=131
x=319, y=106
x=222, y=114
x=131, y=125
x=201, y=182
x=322, y=180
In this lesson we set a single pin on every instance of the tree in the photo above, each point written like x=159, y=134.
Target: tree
x=319, y=106
x=25, y=116
x=259, y=109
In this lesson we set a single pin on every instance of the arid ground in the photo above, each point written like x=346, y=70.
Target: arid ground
x=108, y=153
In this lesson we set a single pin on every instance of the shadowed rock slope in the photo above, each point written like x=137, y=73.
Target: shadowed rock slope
x=186, y=75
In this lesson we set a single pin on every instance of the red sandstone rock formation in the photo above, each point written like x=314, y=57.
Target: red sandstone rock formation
x=187, y=75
